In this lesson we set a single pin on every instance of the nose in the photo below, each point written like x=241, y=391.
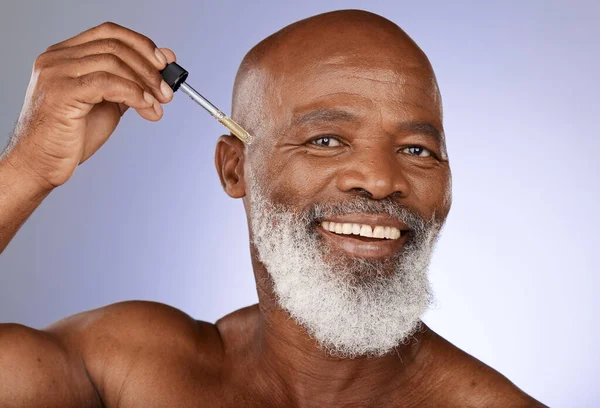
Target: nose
x=375, y=172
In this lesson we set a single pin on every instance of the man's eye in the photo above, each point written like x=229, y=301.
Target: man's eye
x=326, y=141
x=417, y=151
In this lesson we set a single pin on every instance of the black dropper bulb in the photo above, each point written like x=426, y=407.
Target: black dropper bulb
x=174, y=75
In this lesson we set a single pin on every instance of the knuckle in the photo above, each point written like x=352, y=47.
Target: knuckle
x=44, y=65
x=51, y=48
x=41, y=62
x=148, y=43
x=101, y=78
x=152, y=75
x=110, y=60
x=108, y=26
x=96, y=79
x=112, y=44
x=83, y=81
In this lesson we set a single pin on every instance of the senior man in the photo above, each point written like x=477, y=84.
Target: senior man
x=346, y=188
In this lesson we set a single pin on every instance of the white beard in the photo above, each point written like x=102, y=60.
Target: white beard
x=352, y=307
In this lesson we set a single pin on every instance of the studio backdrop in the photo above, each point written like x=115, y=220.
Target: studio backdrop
x=516, y=270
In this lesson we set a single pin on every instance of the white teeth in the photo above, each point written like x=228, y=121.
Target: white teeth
x=363, y=230
x=387, y=232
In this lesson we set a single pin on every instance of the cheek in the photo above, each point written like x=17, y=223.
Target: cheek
x=299, y=182
x=431, y=193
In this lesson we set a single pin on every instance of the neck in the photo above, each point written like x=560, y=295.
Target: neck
x=306, y=375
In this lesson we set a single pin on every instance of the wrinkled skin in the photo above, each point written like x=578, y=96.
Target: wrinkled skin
x=146, y=354
x=368, y=68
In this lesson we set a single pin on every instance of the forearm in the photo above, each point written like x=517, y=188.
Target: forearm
x=20, y=195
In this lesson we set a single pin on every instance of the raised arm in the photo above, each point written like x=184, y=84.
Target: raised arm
x=79, y=90
x=20, y=195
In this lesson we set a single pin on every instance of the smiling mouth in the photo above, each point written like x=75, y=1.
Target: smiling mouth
x=363, y=232
x=363, y=240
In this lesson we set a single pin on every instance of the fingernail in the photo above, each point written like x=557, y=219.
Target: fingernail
x=160, y=57
x=166, y=90
x=158, y=108
x=149, y=98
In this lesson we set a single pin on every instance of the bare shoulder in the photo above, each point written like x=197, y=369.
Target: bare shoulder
x=133, y=325
x=139, y=323
x=124, y=342
x=472, y=383
x=104, y=356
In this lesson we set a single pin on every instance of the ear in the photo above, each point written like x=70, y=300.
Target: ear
x=229, y=161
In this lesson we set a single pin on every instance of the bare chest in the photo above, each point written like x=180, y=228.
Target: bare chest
x=163, y=382
x=189, y=387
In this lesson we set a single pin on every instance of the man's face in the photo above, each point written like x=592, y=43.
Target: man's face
x=367, y=124
x=353, y=140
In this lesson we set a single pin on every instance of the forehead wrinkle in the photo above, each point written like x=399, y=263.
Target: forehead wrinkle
x=362, y=77
x=360, y=71
x=326, y=103
x=341, y=80
x=379, y=60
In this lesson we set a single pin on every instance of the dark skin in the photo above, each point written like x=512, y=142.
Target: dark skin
x=379, y=109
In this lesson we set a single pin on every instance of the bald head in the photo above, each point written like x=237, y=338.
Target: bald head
x=347, y=124
x=331, y=102
x=278, y=72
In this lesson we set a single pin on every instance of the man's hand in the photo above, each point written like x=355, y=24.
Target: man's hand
x=78, y=92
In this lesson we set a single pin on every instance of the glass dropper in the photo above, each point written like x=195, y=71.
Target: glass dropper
x=175, y=76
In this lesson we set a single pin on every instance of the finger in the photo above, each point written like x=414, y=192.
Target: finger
x=75, y=68
x=111, y=63
x=133, y=39
x=95, y=87
x=169, y=54
x=148, y=113
x=144, y=69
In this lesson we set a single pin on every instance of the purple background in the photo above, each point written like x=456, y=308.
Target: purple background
x=516, y=271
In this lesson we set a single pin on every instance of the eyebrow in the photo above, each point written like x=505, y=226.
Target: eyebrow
x=422, y=128
x=325, y=115
x=333, y=115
